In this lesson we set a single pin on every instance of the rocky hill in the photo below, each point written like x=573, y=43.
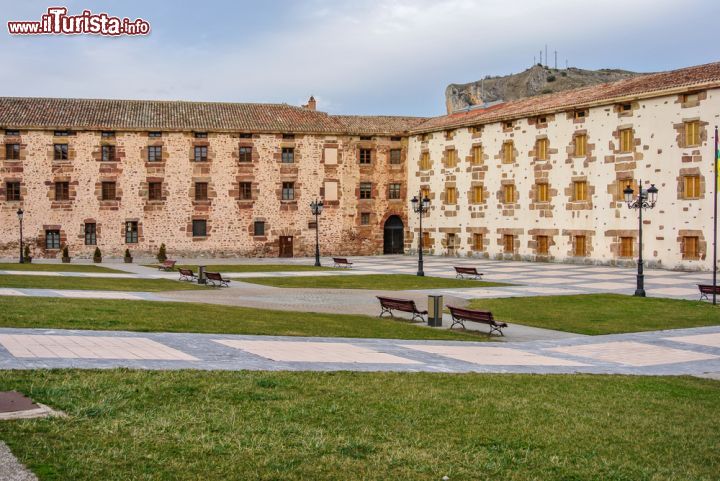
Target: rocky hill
x=533, y=81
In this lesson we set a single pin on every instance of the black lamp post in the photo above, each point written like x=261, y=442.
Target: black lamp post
x=317, y=208
x=20, y=218
x=645, y=199
x=420, y=206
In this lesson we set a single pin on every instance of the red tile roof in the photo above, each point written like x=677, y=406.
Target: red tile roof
x=98, y=114
x=651, y=85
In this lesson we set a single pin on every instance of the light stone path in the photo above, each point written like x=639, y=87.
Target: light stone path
x=10, y=467
x=674, y=352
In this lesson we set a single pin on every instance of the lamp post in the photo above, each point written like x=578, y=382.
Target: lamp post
x=317, y=208
x=20, y=214
x=420, y=206
x=645, y=199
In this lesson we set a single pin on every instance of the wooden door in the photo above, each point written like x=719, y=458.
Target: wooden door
x=286, y=246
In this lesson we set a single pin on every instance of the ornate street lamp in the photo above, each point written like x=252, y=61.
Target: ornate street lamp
x=420, y=206
x=316, y=208
x=20, y=214
x=645, y=199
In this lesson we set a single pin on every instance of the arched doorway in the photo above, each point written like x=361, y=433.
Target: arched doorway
x=393, y=235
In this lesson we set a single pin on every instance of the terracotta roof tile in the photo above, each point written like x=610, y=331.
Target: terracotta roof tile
x=700, y=76
x=378, y=124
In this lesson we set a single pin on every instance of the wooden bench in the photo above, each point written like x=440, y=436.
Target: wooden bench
x=389, y=304
x=342, y=262
x=469, y=272
x=187, y=275
x=706, y=290
x=168, y=265
x=214, y=279
x=459, y=316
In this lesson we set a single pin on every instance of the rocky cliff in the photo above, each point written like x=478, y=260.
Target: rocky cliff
x=533, y=81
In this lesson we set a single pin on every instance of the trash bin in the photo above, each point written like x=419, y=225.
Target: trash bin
x=435, y=311
x=201, y=275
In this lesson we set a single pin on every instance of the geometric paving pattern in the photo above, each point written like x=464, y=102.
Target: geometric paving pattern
x=494, y=356
x=633, y=353
x=710, y=340
x=90, y=347
x=336, y=352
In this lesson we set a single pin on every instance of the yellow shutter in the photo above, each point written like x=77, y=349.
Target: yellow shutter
x=477, y=155
x=451, y=195
x=478, y=194
x=508, y=152
x=580, y=145
x=425, y=161
x=542, y=192
x=477, y=242
x=509, y=242
x=580, y=250
x=509, y=194
x=692, y=133
x=626, y=246
x=542, y=148
x=542, y=244
x=626, y=140
x=580, y=190
x=692, y=186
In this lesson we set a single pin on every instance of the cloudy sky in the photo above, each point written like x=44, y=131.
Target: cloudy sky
x=355, y=56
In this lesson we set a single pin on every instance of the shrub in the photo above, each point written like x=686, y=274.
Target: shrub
x=162, y=254
x=550, y=78
x=127, y=253
x=66, y=252
x=97, y=256
x=564, y=74
x=27, y=252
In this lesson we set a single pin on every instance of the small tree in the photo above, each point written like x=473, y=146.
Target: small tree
x=66, y=254
x=127, y=253
x=162, y=254
x=97, y=256
x=26, y=254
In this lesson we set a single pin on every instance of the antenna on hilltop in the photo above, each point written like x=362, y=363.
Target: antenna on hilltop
x=541, y=57
x=546, y=57
x=555, y=59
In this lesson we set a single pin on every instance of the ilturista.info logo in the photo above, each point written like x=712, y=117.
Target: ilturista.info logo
x=57, y=22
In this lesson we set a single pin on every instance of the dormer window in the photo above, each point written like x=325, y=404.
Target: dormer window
x=288, y=136
x=580, y=114
x=61, y=133
x=12, y=133
x=245, y=135
x=154, y=135
x=107, y=134
x=201, y=135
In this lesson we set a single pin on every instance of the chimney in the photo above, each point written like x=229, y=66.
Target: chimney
x=311, y=105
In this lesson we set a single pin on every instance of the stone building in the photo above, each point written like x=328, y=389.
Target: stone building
x=542, y=178
x=538, y=179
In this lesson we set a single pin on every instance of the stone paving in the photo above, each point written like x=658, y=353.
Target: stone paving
x=674, y=352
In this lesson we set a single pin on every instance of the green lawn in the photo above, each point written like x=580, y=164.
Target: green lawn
x=190, y=425
x=250, y=267
x=7, y=266
x=95, y=283
x=107, y=314
x=385, y=282
x=601, y=313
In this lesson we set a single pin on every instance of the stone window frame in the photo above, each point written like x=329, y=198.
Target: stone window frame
x=108, y=190
x=201, y=153
x=132, y=232
x=477, y=154
x=12, y=151
x=287, y=155
x=155, y=187
x=394, y=191
x=287, y=192
x=542, y=154
x=542, y=188
x=504, y=152
x=696, y=132
x=201, y=191
x=700, y=247
x=197, y=233
x=447, y=197
x=61, y=152
x=365, y=156
x=450, y=157
x=698, y=181
x=425, y=160
x=365, y=218
x=259, y=232
x=62, y=190
x=155, y=153
x=508, y=188
x=395, y=159
x=575, y=137
x=365, y=190
x=52, y=239
x=475, y=188
x=626, y=145
x=90, y=235
x=695, y=254
x=245, y=157
x=242, y=191
x=108, y=153
x=13, y=190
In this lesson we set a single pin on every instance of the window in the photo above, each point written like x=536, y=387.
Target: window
x=580, y=145
x=12, y=133
x=542, y=119
x=62, y=191
x=364, y=218
x=365, y=137
x=508, y=152
x=625, y=107
x=245, y=191
x=692, y=133
x=201, y=135
x=626, y=246
x=154, y=135
x=259, y=228
x=477, y=155
x=542, y=193
x=393, y=191
x=288, y=191
x=541, y=149
x=426, y=240
x=477, y=194
x=691, y=187
x=12, y=151
x=12, y=191
x=579, y=249
x=509, y=243
x=508, y=124
x=580, y=190
x=425, y=161
x=199, y=228
x=155, y=153
x=245, y=154
x=395, y=139
x=52, y=239
x=108, y=153
x=155, y=191
x=477, y=244
x=61, y=133
x=61, y=151
x=365, y=156
x=90, y=234
x=691, y=247
x=201, y=191
x=108, y=191
x=542, y=244
x=288, y=155
x=131, y=232
x=107, y=134
x=365, y=190
x=691, y=98
x=451, y=158
x=626, y=140
x=509, y=194
x=449, y=134
x=579, y=114
x=245, y=135
x=201, y=153
x=395, y=156
x=288, y=136
x=451, y=195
